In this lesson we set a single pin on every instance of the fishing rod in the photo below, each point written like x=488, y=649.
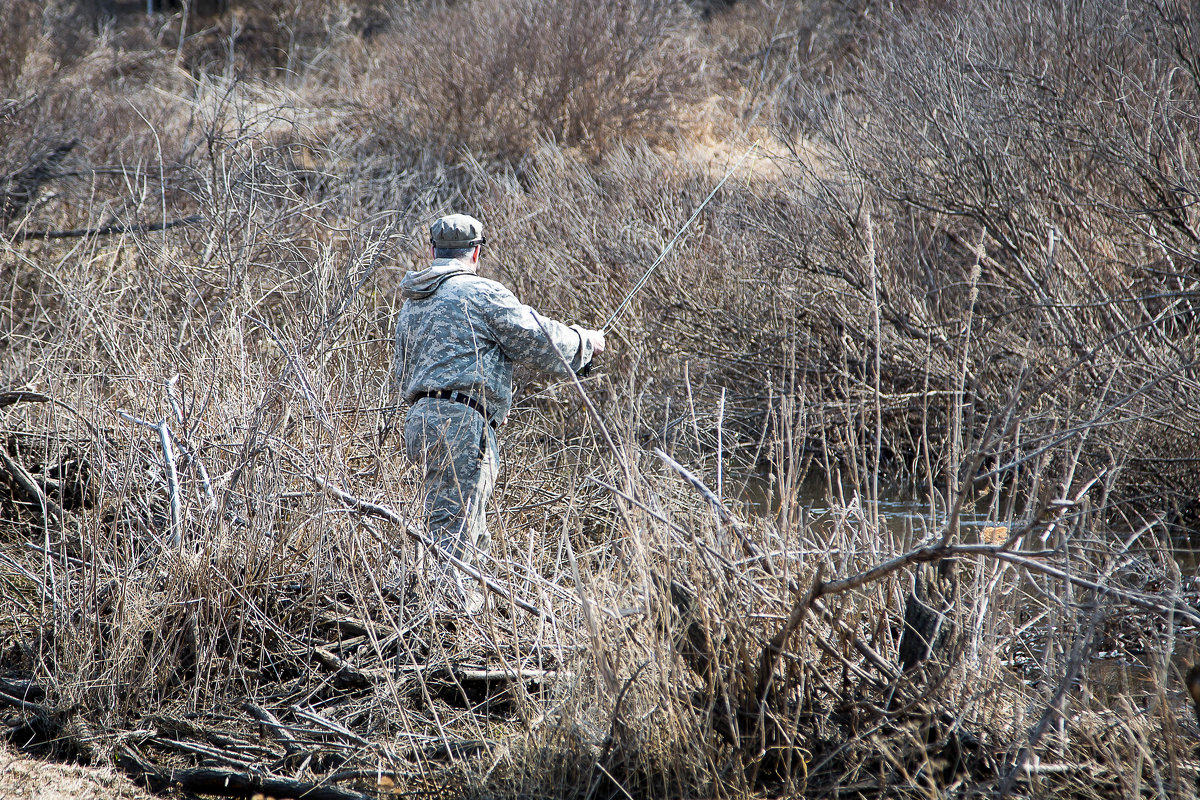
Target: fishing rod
x=638, y=286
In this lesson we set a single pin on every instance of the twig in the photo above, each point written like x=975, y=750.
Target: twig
x=177, y=410
x=108, y=230
x=772, y=650
x=164, y=438
x=172, y=474
x=1054, y=707
x=738, y=527
x=382, y=512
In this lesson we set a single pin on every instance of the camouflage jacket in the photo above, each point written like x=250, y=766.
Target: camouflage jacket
x=461, y=332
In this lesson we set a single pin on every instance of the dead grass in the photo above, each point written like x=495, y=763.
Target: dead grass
x=815, y=321
x=23, y=778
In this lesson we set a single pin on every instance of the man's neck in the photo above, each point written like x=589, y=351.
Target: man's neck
x=465, y=263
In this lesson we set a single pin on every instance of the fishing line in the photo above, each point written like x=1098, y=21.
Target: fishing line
x=638, y=286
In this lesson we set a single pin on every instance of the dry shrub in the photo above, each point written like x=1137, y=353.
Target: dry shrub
x=500, y=76
x=1057, y=138
x=281, y=40
x=17, y=36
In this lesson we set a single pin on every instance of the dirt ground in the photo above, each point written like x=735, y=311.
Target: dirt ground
x=23, y=778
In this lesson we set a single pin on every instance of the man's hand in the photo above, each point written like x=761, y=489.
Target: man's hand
x=597, y=340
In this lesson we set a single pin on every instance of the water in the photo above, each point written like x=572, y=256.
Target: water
x=909, y=518
x=1115, y=672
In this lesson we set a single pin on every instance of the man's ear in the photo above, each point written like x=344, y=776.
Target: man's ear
x=432, y=251
x=475, y=255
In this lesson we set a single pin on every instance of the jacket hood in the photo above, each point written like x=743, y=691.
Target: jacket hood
x=423, y=283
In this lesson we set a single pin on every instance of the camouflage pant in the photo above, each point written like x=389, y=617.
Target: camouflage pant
x=456, y=449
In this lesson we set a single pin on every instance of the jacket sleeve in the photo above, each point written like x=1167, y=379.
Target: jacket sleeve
x=531, y=339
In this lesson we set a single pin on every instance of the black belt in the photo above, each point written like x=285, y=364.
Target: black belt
x=456, y=397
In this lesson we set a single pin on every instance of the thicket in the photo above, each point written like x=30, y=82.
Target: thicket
x=961, y=263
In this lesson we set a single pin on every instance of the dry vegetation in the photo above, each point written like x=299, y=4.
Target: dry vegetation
x=963, y=266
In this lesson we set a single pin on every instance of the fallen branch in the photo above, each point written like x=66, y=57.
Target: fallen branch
x=277, y=729
x=498, y=675
x=331, y=726
x=25, y=690
x=358, y=677
x=24, y=705
x=50, y=509
x=346, y=673
x=209, y=752
x=19, y=396
x=225, y=783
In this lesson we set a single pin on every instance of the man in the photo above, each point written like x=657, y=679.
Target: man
x=457, y=339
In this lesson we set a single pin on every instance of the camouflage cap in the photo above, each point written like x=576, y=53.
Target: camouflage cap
x=456, y=231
